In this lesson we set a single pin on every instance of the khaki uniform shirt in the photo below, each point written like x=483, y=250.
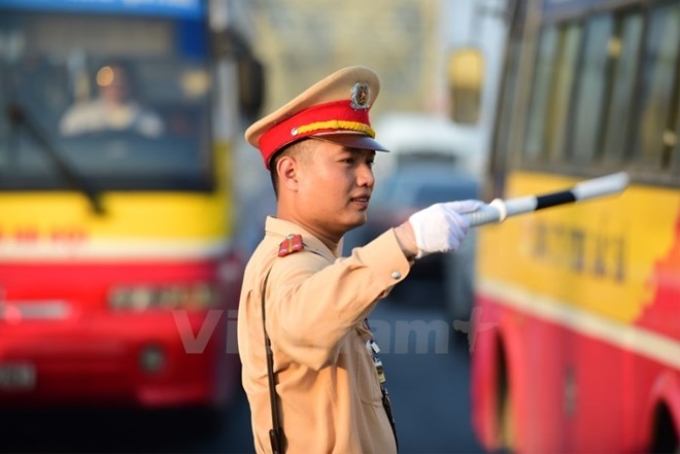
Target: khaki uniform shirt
x=316, y=304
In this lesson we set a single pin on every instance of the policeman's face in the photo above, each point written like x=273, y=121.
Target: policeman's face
x=335, y=186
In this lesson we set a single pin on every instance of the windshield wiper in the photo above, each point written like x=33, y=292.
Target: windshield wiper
x=19, y=116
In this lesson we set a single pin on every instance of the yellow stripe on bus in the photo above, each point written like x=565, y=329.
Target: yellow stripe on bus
x=599, y=255
x=164, y=215
x=37, y=217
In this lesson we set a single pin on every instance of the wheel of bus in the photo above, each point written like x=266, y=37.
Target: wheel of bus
x=505, y=422
x=665, y=438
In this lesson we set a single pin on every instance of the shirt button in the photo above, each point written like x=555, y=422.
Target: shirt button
x=396, y=274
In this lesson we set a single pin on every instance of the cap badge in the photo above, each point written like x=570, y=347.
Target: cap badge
x=361, y=96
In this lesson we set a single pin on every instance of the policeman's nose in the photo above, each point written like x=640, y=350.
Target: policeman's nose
x=365, y=176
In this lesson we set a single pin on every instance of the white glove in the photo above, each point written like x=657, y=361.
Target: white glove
x=440, y=227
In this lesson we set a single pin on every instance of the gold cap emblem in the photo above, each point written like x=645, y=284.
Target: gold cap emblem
x=361, y=96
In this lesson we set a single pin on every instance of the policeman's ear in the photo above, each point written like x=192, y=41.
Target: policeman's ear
x=287, y=167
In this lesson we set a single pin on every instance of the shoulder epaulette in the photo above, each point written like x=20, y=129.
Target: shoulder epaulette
x=292, y=244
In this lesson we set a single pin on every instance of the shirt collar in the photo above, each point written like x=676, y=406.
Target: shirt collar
x=281, y=229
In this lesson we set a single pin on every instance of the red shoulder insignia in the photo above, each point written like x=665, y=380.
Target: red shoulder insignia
x=291, y=244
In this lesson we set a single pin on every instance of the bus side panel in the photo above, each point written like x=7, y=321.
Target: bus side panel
x=592, y=400
x=593, y=289
x=534, y=364
x=85, y=351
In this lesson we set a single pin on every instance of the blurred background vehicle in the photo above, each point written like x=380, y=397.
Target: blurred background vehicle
x=430, y=138
x=119, y=268
x=577, y=323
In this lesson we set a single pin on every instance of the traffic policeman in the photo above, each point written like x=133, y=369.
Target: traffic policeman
x=311, y=371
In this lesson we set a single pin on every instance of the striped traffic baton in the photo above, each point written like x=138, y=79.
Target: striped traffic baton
x=498, y=210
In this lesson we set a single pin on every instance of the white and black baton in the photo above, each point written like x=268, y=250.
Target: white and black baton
x=498, y=210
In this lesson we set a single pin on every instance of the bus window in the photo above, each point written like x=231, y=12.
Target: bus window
x=124, y=99
x=567, y=52
x=591, y=90
x=502, y=147
x=676, y=151
x=674, y=138
x=554, y=81
x=535, y=144
x=658, y=74
x=624, y=50
x=671, y=154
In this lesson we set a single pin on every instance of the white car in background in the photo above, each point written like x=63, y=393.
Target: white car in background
x=421, y=137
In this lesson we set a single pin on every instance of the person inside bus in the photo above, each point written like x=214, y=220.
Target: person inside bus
x=310, y=366
x=114, y=109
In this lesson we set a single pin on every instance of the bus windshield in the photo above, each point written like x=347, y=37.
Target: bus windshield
x=121, y=100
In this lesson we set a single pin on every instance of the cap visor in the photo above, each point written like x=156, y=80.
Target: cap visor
x=350, y=140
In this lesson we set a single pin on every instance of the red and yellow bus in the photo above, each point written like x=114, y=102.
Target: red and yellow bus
x=119, y=274
x=577, y=308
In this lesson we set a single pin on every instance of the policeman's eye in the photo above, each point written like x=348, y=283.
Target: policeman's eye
x=370, y=163
x=349, y=160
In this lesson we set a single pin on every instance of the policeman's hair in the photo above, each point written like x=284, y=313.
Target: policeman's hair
x=300, y=150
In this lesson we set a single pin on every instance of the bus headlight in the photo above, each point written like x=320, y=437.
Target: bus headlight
x=196, y=296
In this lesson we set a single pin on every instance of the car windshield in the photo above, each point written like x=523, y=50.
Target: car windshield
x=122, y=101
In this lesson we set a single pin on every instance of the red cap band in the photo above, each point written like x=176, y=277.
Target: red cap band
x=332, y=117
